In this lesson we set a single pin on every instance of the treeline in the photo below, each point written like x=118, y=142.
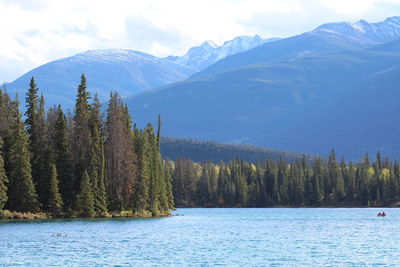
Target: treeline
x=83, y=163
x=323, y=182
x=202, y=151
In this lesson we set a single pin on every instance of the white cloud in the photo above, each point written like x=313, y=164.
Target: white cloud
x=37, y=31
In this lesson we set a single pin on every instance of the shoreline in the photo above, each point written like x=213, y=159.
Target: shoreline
x=6, y=215
x=293, y=207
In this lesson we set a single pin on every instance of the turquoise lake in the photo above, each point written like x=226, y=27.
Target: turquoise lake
x=204, y=237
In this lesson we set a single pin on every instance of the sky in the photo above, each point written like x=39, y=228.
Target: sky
x=34, y=32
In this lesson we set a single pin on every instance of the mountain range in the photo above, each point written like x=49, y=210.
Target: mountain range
x=344, y=99
x=124, y=71
x=325, y=38
x=200, y=57
x=335, y=87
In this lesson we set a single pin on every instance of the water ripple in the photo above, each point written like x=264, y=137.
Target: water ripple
x=205, y=237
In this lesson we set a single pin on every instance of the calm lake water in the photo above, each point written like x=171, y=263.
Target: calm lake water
x=202, y=237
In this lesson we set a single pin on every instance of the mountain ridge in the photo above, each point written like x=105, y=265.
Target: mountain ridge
x=202, y=56
x=122, y=70
x=125, y=71
x=325, y=38
x=285, y=105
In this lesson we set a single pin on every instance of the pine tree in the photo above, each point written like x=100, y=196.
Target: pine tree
x=308, y=191
x=36, y=128
x=120, y=157
x=40, y=155
x=318, y=169
x=161, y=186
x=154, y=185
x=178, y=188
x=141, y=196
x=86, y=201
x=203, y=191
x=97, y=164
x=6, y=120
x=271, y=183
x=31, y=108
x=297, y=184
x=62, y=158
x=21, y=191
x=81, y=138
x=283, y=181
x=222, y=185
x=378, y=160
x=349, y=175
x=159, y=131
x=261, y=187
x=168, y=180
x=340, y=191
x=364, y=178
x=3, y=179
x=55, y=200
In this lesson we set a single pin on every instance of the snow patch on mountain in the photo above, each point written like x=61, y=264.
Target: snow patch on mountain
x=124, y=71
x=114, y=55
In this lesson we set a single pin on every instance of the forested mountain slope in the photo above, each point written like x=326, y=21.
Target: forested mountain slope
x=344, y=100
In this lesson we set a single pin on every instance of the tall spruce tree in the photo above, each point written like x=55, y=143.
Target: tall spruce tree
x=55, y=201
x=283, y=181
x=32, y=103
x=162, y=183
x=97, y=164
x=221, y=186
x=85, y=199
x=141, y=196
x=271, y=183
x=168, y=170
x=364, y=180
x=81, y=132
x=318, y=170
x=40, y=155
x=154, y=185
x=63, y=161
x=36, y=128
x=21, y=191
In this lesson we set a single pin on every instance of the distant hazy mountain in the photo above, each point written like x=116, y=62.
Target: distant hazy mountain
x=124, y=71
x=200, y=57
x=345, y=100
x=326, y=38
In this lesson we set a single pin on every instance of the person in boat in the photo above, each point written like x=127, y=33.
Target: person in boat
x=383, y=214
x=379, y=214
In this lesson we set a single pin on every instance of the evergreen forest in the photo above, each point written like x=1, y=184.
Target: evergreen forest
x=279, y=183
x=80, y=163
x=92, y=162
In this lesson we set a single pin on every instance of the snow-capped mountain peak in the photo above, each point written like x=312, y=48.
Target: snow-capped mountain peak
x=393, y=20
x=200, y=57
x=209, y=44
x=372, y=33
